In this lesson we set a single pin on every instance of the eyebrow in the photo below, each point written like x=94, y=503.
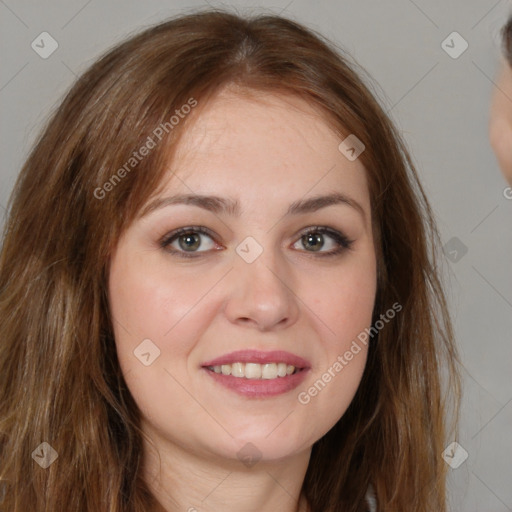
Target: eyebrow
x=228, y=206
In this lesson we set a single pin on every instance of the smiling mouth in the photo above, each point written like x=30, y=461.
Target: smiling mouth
x=255, y=371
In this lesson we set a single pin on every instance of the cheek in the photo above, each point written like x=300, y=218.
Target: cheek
x=344, y=300
x=500, y=136
x=348, y=309
x=150, y=302
x=345, y=309
x=500, y=123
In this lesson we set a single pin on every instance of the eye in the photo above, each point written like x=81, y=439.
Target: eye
x=314, y=238
x=189, y=241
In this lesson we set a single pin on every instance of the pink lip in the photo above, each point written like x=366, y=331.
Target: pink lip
x=256, y=388
x=257, y=356
x=259, y=387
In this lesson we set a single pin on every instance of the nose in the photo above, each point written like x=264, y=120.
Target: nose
x=262, y=293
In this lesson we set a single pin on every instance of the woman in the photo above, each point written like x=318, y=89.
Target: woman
x=500, y=121
x=218, y=289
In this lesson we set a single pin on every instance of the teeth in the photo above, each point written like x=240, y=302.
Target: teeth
x=281, y=370
x=269, y=371
x=252, y=371
x=255, y=370
x=237, y=369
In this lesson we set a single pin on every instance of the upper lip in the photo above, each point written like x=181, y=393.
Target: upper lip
x=258, y=356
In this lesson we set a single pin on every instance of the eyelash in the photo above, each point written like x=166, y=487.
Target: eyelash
x=343, y=242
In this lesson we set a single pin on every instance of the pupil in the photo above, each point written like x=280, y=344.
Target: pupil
x=194, y=239
x=315, y=238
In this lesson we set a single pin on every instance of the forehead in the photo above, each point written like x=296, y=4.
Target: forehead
x=274, y=144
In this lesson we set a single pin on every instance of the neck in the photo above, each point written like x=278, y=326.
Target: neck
x=195, y=482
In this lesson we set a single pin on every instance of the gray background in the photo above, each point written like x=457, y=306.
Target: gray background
x=439, y=103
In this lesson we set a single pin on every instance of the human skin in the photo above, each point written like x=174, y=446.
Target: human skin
x=267, y=152
x=500, y=122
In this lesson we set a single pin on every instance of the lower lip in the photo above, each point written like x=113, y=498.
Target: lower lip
x=259, y=388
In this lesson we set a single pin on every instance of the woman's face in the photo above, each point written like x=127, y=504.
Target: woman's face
x=500, y=126
x=251, y=282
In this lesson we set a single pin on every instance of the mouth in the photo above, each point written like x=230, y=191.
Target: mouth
x=258, y=374
x=254, y=371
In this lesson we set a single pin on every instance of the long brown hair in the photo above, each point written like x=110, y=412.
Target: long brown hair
x=60, y=378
